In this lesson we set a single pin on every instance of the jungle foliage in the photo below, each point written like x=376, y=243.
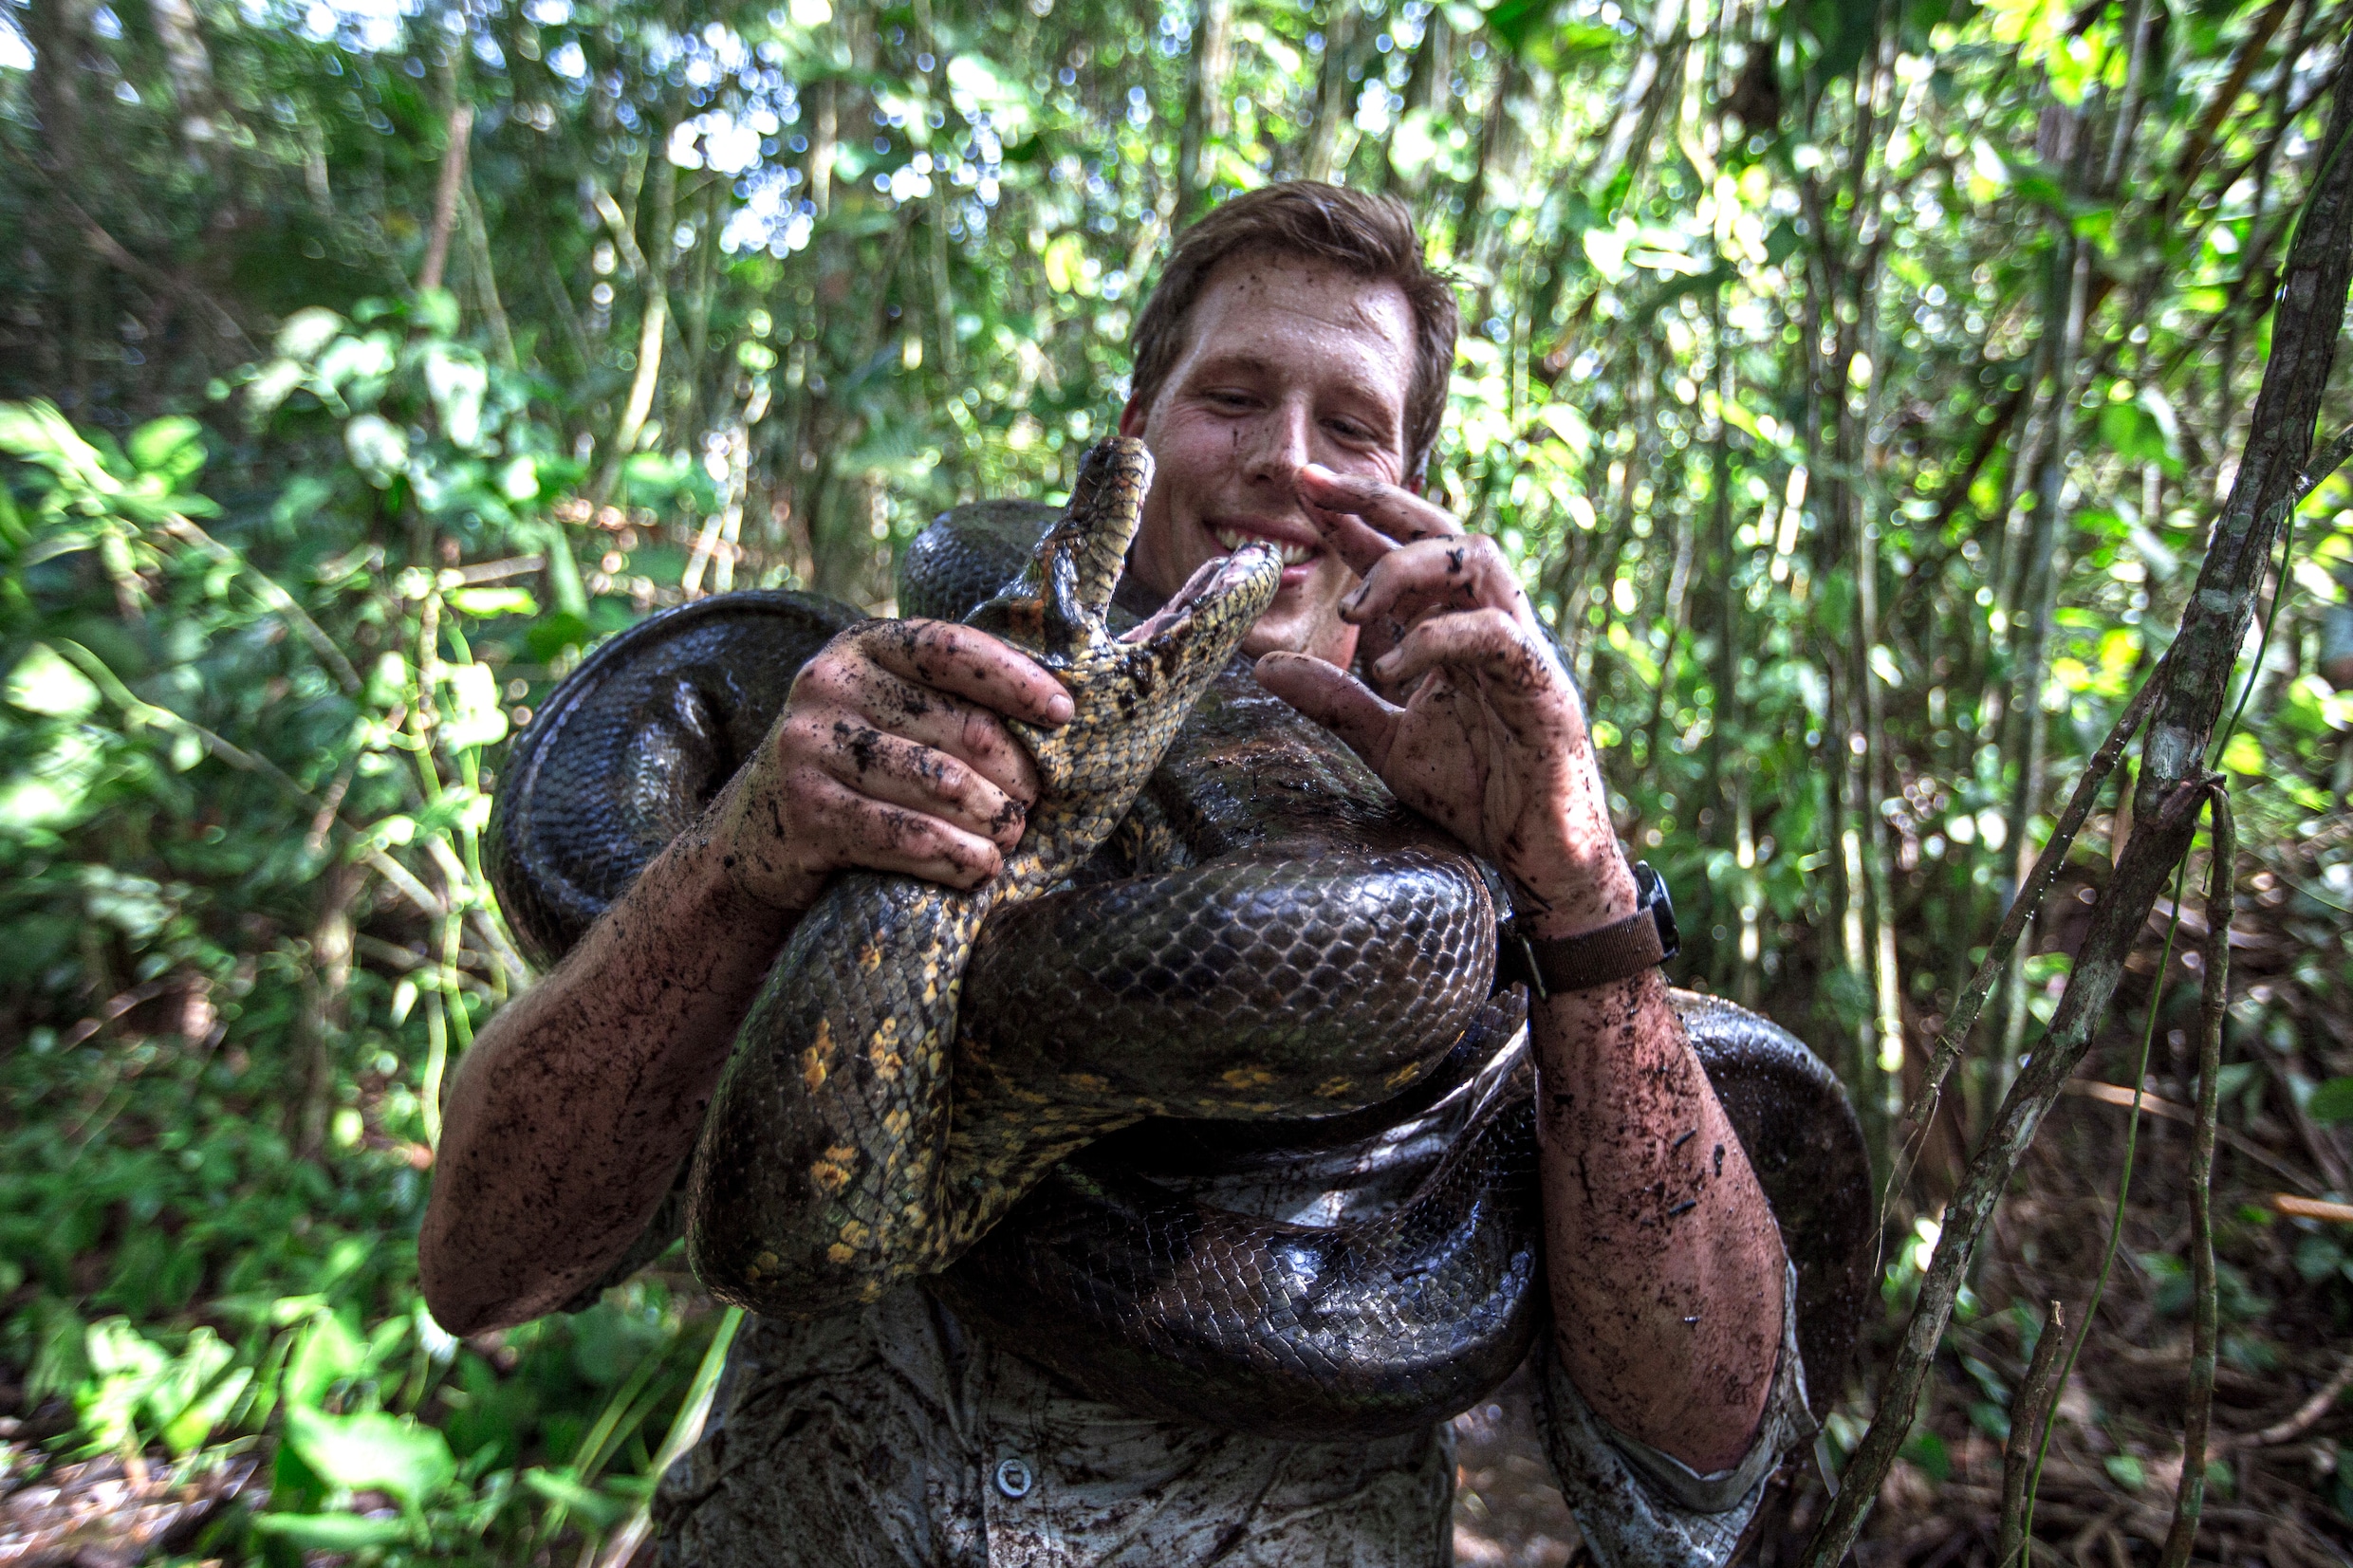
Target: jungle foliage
x=1855, y=381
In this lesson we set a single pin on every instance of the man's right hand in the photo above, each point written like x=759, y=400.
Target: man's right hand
x=892, y=754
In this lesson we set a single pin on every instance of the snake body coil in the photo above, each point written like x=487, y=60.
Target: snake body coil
x=1220, y=934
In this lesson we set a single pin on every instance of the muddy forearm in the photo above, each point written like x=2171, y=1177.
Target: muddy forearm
x=1667, y=1269
x=565, y=1124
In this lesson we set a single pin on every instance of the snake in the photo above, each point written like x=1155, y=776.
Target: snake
x=1222, y=947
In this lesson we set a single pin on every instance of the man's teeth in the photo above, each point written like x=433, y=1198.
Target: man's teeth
x=1293, y=555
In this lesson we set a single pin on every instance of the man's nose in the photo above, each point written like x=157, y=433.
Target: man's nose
x=1280, y=445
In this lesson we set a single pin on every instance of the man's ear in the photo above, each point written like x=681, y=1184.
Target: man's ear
x=1132, y=420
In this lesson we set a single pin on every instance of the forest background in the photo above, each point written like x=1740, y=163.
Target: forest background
x=1855, y=382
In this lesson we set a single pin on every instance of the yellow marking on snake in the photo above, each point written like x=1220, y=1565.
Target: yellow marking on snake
x=882, y=1051
x=1246, y=1078
x=1332, y=1088
x=817, y=1061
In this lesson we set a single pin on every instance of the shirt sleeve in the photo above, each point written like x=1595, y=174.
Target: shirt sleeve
x=1640, y=1507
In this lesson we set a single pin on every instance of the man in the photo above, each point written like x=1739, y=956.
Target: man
x=1290, y=378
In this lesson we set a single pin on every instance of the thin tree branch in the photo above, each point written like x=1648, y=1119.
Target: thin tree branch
x=2250, y=55
x=1964, y=1016
x=2305, y=1418
x=276, y=597
x=2190, y=1493
x=2031, y=1410
x=445, y=196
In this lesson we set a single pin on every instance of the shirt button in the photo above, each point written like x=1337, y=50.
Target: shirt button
x=1013, y=1477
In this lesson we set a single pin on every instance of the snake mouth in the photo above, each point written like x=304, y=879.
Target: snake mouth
x=1215, y=585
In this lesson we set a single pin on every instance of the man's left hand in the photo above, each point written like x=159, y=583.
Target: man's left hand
x=1471, y=720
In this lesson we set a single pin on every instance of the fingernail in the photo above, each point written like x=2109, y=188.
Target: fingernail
x=1060, y=709
x=1386, y=662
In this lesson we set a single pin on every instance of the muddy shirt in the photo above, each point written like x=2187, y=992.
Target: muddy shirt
x=894, y=1437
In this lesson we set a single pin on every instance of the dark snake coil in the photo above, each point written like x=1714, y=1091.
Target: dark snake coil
x=1265, y=935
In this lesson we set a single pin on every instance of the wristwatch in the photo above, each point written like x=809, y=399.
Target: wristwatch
x=1641, y=941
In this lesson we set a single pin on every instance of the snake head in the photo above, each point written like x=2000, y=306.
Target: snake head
x=1054, y=611
x=1130, y=693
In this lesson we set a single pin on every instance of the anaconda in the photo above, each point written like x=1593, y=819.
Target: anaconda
x=1244, y=949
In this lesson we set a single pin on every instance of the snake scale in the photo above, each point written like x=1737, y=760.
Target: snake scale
x=1221, y=945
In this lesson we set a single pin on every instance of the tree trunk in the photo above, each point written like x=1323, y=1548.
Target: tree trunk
x=1209, y=108
x=1433, y=64
x=1335, y=97
x=824, y=117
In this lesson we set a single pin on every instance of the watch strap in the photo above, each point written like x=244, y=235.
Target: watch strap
x=1617, y=952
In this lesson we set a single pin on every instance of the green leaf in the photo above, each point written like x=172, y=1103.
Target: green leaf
x=1511, y=22
x=2244, y=755
x=332, y=1532
x=551, y=635
x=457, y=382
x=494, y=602
x=1929, y=1452
x=307, y=332
x=372, y=1453
x=173, y=446
x=2332, y=1102
x=329, y=1352
x=378, y=448
x=436, y=310
x=44, y=683
x=593, y=1506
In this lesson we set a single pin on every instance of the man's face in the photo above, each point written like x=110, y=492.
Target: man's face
x=1288, y=363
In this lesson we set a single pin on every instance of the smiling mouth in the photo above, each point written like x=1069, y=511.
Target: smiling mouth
x=1293, y=555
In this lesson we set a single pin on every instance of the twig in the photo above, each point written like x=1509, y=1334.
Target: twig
x=2125, y=1177
x=2110, y=1093
x=2214, y=999
x=2312, y=1209
x=2307, y=1416
x=322, y=820
x=2250, y=54
x=115, y=1007
x=400, y=877
x=490, y=571
x=159, y=279
x=1964, y=1016
x=445, y=194
x=2030, y=1424
x=276, y=597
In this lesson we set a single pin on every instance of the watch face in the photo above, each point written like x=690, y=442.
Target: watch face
x=1650, y=891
